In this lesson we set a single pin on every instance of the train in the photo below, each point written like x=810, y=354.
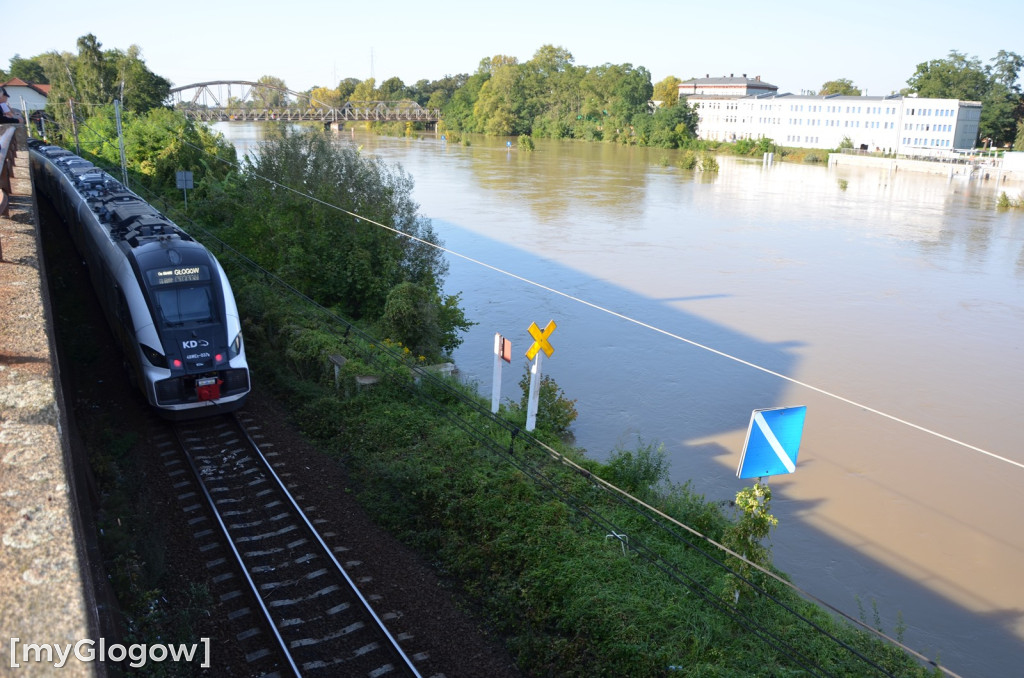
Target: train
x=165, y=296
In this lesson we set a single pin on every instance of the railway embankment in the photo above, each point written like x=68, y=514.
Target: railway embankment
x=46, y=591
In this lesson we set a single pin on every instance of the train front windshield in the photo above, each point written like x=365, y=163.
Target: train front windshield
x=183, y=294
x=185, y=305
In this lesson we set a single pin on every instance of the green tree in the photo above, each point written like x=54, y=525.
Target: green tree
x=393, y=89
x=272, y=93
x=347, y=262
x=365, y=91
x=1006, y=70
x=418, y=317
x=632, y=92
x=346, y=87
x=841, y=86
x=458, y=112
x=94, y=78
x=438, y=93
x=666, y=91
x=324, y=96
x=995, y=86
x=552, y=84
x=94, y=75
x=29, y=70
x=1002, y=108
x=501, y=106
x=955, y=77
x=673, y=126
x=158, y=143
x=138, y=88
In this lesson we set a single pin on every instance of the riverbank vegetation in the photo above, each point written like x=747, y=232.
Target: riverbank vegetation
x=577, y=579
x=1005, y=202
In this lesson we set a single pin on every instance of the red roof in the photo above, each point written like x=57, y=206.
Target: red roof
x=18, y=82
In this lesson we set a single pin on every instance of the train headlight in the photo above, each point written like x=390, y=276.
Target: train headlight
x=153, y=356
x=236, y=346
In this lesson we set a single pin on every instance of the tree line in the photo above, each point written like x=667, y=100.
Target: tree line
x=550, y=96
x=547, y=96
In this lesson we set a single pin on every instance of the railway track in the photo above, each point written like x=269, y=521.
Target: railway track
x=307, y=614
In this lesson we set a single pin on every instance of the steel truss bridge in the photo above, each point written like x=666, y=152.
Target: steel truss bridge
x=217, y=101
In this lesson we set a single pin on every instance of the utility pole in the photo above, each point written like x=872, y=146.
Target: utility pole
x=120, y=142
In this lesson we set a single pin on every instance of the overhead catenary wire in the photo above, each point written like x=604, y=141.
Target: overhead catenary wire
x=561, y=458
x=653, y=328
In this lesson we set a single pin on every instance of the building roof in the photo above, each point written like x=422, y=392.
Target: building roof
x=18, y=82
x=730, y=81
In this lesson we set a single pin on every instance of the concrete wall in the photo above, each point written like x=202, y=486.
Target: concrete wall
x=45, y=588
x=1005, y=175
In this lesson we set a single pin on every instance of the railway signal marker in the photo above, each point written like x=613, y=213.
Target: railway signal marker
x=540, y=337
x=502, y=351
x=540, y=343
x=773, y=441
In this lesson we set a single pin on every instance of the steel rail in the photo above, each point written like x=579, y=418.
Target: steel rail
x=238, y=557
x=256, y=454
x=316, y=535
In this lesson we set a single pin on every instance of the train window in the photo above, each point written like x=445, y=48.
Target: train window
x=185, y=304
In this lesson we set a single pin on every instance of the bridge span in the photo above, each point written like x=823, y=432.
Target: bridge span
x=248, y=101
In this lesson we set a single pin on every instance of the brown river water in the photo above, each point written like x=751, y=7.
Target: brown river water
x=891, y=305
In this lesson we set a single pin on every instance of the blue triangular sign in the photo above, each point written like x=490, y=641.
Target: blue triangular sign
x=773, y=441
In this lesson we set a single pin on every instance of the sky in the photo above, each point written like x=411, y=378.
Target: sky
x=795, y=44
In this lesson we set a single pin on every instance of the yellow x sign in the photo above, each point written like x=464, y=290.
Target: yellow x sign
x=541, y=340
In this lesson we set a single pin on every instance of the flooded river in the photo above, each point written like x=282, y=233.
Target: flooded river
x=891, y=305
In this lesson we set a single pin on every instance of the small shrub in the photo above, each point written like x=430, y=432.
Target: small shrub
x=637, y=471
x=1005, y=202
x=555, y=412
x=708, y=163
x=745, y=147
x=321, y=418
x=525, y=143
x=746, y=535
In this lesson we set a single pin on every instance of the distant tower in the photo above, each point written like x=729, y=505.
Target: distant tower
x=371, y=63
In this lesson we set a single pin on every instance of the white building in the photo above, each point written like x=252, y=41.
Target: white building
x=905, y=125
x=24, y=97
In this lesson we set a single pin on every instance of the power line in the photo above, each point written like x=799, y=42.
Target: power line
x=653, y=328
x=634, y=502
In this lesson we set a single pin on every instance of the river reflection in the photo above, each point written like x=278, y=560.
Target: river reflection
x=896, y=291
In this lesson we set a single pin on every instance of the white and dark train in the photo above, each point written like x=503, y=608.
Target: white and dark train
x=165, y=296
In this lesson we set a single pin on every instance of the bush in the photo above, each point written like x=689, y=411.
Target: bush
x=638, y=471
x=555, y=412
x=688, y=160
x=708, y=163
